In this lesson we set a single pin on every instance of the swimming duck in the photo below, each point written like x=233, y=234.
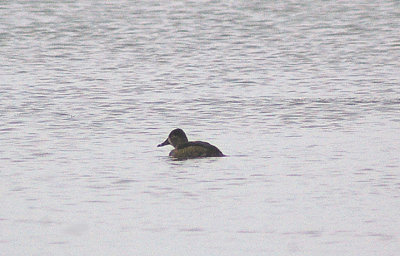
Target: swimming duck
x=189, y=149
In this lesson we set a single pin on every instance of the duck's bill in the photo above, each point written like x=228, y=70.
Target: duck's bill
x=166, y=142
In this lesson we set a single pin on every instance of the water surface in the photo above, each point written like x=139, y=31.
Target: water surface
x=304, y=98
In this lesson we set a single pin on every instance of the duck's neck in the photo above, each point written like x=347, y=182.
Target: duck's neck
x=177, y=141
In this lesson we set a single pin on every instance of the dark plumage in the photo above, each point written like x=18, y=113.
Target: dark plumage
x=185, y=149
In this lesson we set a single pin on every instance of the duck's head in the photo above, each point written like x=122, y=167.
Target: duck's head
x=175, y=138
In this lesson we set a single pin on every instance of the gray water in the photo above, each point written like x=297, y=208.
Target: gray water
x=303, y=97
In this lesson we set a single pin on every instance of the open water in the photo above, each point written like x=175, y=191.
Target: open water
x=303, y=97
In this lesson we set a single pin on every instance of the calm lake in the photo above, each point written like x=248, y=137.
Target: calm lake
x=302, y=96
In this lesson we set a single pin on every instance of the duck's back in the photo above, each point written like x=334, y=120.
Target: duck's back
x=196, y=149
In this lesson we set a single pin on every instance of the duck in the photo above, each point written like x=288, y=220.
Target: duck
x=185, y=149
